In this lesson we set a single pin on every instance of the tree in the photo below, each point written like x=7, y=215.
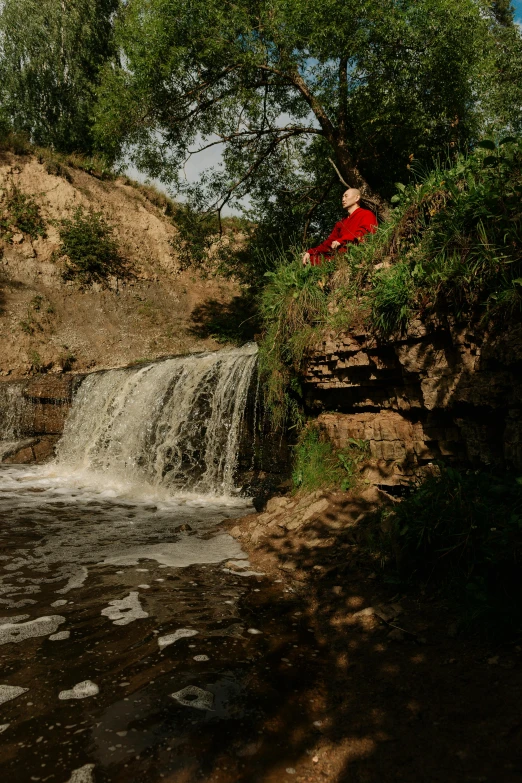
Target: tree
x=51, y=53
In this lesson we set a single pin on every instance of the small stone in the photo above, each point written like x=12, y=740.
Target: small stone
x=396, y=635
x=201, y=658
x=493, y=661
x=290, y=771
x=254, y=631
x=184, y=528
x=17, y=239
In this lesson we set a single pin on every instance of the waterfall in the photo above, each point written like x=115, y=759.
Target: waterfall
x=12, y=407
x=174, y=424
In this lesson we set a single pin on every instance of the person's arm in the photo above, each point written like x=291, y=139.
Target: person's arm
x=326, y=246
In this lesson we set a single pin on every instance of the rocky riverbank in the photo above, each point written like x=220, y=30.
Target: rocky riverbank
x=405, y=693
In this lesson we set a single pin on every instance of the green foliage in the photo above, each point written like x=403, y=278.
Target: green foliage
x=235, y=322
x=51, y=54
x=286, y=84
x=35, y=360
x=318, y=465
x=462, y=532
x=92, y=252
x=455, y=241
x=293, y=307
x=20, y=212
x=392, y=297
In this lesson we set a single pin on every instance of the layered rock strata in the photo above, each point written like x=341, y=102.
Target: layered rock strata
x=439, y=392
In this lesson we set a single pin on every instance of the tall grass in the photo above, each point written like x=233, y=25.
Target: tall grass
x=453, y=245
x=293, y=307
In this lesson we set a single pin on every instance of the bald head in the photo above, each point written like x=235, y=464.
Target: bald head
x=351, y=198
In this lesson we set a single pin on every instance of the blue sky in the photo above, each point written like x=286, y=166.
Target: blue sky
x=518, y=10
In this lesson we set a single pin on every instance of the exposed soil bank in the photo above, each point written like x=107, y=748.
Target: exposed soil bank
x=402, y=694
x=47, y=324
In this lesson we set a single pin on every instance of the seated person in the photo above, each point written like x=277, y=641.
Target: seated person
x=352, y=228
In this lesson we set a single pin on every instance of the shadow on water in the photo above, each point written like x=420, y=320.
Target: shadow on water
x=234, y=321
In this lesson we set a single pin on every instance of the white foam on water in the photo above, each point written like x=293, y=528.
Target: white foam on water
x=82, y=775
x=19, y=632
x=125, y=610
x=181, y=633
x=81, y=690
x=60, y=636
x=185, y=552
x=173, y=425
x=192, y=696
x=8, y=692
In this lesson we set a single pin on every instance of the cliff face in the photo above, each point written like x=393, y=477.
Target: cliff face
x=442, y=391
x=46, y=322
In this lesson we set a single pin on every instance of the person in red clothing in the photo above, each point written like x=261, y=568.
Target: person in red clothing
x=352, y=228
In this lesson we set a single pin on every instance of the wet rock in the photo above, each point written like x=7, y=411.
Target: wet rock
x=8, y=692
x=4, y=727
x=18, y=632
x=396, y=635
x=80, y=691
x=181, y=633
x=192, y=696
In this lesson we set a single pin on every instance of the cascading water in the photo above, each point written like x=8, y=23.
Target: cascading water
x=172, y=425
x=12, y=406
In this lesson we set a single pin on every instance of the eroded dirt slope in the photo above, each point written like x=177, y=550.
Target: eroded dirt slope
x=46, y=322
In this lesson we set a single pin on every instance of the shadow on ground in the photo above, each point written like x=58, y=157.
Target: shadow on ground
x=234, y=321
x=374, y=684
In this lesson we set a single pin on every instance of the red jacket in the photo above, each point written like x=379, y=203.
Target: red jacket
x=351, y=229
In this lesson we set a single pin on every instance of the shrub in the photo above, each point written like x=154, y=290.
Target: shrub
x=22, y=213
x=318, y=465
x=462, y=532
x=92, y=252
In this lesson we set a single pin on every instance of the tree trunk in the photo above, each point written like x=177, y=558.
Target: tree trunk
x=354, y=179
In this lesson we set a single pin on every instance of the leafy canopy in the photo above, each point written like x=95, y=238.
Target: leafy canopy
x=282, y=85
x=51, y=52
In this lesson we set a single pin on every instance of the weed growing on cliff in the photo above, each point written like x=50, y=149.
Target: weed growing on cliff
x=20, y=212
x=461, y=532
x=293, y=307
x=91, y=250
x=319, y=465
